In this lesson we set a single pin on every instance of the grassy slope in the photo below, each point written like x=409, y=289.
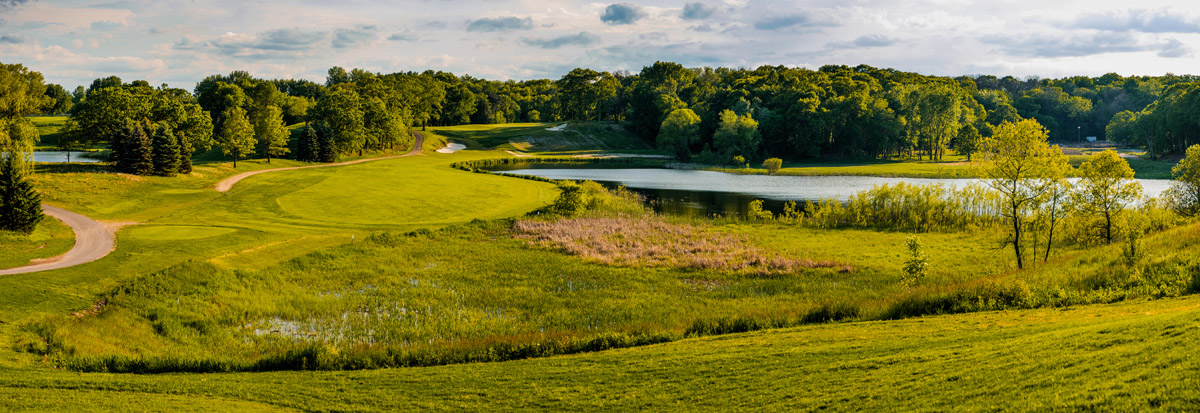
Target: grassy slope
x=811, y=366
x=49, y=239
x=248, y=227
x=533, y=138
x=1127, y=356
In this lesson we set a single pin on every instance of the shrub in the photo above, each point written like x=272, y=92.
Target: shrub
x=914, y=268
x=772, y=165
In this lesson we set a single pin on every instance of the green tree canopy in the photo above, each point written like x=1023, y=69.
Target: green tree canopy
x=679, y=131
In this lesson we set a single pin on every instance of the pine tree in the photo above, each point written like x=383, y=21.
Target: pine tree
x=185, y=156
x=20, y=204
x=166, y=152
x=306, y=145
x=139, y=151
x=325, y=150
x=116, y=146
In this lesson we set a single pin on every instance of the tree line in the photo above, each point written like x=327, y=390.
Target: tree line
x=724, y=114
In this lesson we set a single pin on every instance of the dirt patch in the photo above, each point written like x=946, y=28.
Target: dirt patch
x=653, y=242
x=113, y=226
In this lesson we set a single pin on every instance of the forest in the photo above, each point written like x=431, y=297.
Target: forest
x=711, y=115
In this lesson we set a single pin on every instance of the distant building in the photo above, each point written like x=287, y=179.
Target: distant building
x=1091, y=138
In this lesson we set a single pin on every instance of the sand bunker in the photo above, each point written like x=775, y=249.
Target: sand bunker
x=452, y=148
x=558, y=128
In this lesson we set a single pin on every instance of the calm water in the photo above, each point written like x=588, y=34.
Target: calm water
x=60, y=157
x=688, y=192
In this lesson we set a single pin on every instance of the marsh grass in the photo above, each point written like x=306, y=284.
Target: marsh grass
x=648, y=241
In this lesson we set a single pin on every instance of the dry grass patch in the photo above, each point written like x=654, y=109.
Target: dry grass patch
x=652, y=242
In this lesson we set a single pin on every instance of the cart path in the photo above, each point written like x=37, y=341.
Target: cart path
x=93, y=241
x=226, y=184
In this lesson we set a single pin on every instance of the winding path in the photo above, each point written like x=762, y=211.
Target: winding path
x=226, y=184
x=92, y=242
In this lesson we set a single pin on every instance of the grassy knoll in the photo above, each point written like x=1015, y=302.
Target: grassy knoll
x=48, y=127
x=182, y=218
x=578, y=138
x=1134, y=355
x=50, y=238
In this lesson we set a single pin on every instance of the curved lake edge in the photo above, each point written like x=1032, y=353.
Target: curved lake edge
x=699, y=191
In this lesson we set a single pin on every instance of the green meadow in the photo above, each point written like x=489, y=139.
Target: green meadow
x=408, y=284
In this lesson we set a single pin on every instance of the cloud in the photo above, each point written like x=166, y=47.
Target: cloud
x=621, y=13
x=11, y=39
x=265, y=45
x=580, y=39
x=402, y=37
x=697, y=11
x=874, y=40
x=287, y=39
x=500, y=24
x=12, y=3
x=1148, y=21
x=1067, y=46
x=786, y=21
x=1174, y=49
x=359, y=35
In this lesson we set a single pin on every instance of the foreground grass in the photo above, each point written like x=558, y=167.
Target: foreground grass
x=1135, y=355
x=263, y=221
x=50, y=238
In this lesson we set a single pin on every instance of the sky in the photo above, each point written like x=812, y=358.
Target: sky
x=72, y=42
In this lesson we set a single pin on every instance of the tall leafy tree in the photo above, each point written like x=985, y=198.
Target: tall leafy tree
x=1018, y=160
x=272, y=136
x=737, y=135
x=340, y=113
x=236, y=136
x=20, y=203
x=678, y=132
x=1106, y=188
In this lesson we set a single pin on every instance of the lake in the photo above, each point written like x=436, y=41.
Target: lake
x=60, y=157
x=703, y=193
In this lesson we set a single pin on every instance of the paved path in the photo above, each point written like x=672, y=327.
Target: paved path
x=226, y=184
x=92, y=242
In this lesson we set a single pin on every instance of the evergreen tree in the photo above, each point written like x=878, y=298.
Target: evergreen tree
x=185, y=155
x=325, y=146
x=116, y=147
x=20, y=204
x=306, y=146
x=166, y=152
x=132, y=151
x=140, y=150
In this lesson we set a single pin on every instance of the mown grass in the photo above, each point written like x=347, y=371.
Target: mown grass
x=1135, y=355
x=578, y=138
x=50, y=238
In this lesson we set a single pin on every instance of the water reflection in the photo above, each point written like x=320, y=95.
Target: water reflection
x=691, y=193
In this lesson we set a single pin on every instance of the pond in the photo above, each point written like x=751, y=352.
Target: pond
x=61, y=156
x=705, y=193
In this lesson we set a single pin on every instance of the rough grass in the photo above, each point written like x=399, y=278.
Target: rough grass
x=50, y=238
x=1132, y=356
x=648, y=241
